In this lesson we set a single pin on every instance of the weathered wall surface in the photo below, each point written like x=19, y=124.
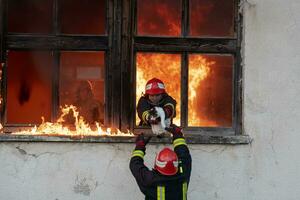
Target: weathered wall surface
x=269, y=168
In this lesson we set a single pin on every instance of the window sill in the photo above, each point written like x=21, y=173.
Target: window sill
x=191, y=139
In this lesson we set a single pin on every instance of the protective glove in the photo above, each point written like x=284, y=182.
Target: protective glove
x=141, y=141
x=175, y=130
x=153, y=117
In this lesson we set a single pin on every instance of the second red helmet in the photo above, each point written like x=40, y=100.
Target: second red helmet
x=155, y=86
x=166, y=162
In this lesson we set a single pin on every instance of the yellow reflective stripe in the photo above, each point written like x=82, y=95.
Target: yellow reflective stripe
x=181, y=170
x=179, y=141
x=145, y=115
x=184, y=191
x=173, y=108
x=161, y=193
x=138, y=153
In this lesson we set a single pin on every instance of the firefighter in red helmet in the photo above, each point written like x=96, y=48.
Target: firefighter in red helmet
x=155, y=96
x=170, y=176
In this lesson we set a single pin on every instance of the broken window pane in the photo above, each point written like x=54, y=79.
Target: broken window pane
x=159, y=17
x=29, y=86
x=210, y=90
x=212, y=18
x=165, y=67
x=83, y=16
x=82, y=84
x=30, y=16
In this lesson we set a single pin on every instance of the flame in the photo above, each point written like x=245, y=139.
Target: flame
x=199, y=69
x=81, y=128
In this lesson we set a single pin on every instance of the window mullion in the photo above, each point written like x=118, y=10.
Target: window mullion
x=55, y=71
x=238, y=76
x=184, y=89
x=2, y=58
x=115, y=63
x=55, y=27
x=55, y=85
x=2, y=30
x=126, y=66
x=185, y=18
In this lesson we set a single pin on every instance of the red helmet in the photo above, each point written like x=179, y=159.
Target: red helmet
x=166, y=162
x=155, y=86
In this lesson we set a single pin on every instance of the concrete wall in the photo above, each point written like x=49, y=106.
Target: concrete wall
x=269, y=168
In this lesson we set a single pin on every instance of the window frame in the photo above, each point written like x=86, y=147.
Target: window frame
x=53, y=42
x=121, y=45
x=185, y=45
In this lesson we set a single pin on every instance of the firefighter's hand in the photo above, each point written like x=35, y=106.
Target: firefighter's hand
x=175, y=130
x=141, y=142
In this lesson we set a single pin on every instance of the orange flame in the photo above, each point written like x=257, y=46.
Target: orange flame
x=199, y=69
x=81, y=127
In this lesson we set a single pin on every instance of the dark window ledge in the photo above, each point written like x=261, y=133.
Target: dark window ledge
x=191, y=139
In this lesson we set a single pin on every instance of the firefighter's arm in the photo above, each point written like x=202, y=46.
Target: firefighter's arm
x=143, y=110
x=140, y=172
x=170, y=107
x=147, y=114
x=181, y=149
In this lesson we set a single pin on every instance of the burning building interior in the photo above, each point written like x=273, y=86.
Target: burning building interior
x=78, y=69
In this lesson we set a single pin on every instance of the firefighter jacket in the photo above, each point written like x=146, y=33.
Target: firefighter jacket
x=160, y=187
x=145, y=105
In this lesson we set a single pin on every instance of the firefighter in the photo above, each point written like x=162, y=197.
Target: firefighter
x=170, y=177
x=155, y=96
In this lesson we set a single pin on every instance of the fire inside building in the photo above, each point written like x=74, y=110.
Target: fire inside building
x=74, y=67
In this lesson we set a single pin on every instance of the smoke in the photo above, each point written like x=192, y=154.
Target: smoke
x=76, y=16
x=83, y=16
x=159, y=17
x=212, y=17
x=29, y=86
x=27, y=16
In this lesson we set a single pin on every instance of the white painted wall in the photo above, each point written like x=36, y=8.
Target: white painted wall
x=268, y=169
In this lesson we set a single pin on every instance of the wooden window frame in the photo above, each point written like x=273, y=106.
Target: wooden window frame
x=120, y=45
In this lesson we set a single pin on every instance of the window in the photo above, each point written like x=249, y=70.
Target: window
x=106, y=50
x=53, y=63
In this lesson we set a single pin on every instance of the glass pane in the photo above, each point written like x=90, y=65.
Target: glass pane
x=82, y=84
x=30, y=16
x=29, y=86
x=212, y=18
x=165, y=67
x=159, y=17
x=83, y=16
x=210, y=90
